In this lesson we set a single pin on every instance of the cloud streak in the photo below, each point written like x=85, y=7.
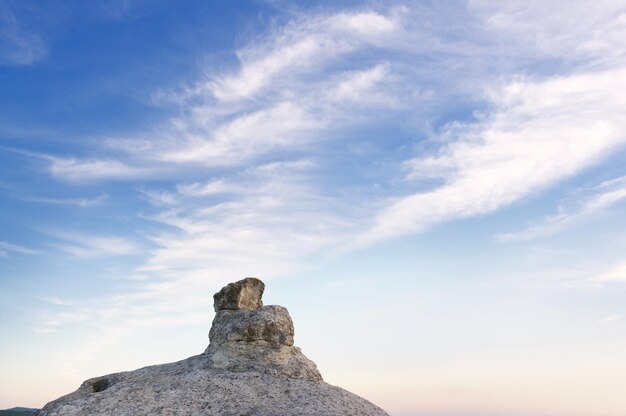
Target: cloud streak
x=76, y=170
x=290, y=89
x=537, y=134
x=78, y=202
x=89, y=246
x=606, y=195
x=302, y=45
x=18, y=45
x=7, y=247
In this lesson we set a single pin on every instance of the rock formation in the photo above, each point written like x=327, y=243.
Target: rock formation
x=250, y=367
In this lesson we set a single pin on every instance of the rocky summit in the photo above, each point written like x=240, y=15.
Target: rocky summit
x=251, y=367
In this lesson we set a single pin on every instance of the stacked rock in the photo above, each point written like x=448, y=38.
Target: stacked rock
x=246, y=336
x=250, y=367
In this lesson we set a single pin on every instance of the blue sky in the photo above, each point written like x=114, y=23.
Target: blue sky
x=435, y=191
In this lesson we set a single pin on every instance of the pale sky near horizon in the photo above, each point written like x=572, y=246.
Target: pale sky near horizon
x=435, y=190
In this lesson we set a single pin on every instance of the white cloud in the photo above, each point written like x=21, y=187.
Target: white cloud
x=284, y=167
x=300, y=47
x=18, y=45
x=368, y=24
x=9, y=247
x=245, y=183
x=252, y=229
x=79, y=202
x=582, y=273
x=288, y=91
x=51, y=322
x=247, y=136
x=77, y=170
x=292, y=121
x=352, y=88
x=572, y=30
x=87, y=246
x=212, y=187
x=265, y=231
x=538, y=133
x=159, y=197
x=56, y=301
x=606, y=195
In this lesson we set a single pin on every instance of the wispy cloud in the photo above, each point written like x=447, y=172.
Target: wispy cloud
x=77, y=170
x=538, y=133
x=587, y=34
x=585, y=274
x=302, y=45
x=273, y=220
x=115, y=9
x=87, y=246
x=208, y=136
x=159, y=197
x=51, y=322
x=212, y=187
x=289, y=88
x=56, y=301
x=267, y=231
x=79, y=202
x=18, y=44
x=605, y=195
x=7, y=247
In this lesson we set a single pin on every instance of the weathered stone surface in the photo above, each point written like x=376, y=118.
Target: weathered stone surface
x=261, y=357
x=244, y=294
x=269, y=323
x=249, y=368
x=194, y=387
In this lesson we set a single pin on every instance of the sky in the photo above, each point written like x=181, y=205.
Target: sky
x=435, y=190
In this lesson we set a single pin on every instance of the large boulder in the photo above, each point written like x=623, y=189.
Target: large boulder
x=244, y=294
x=250, y=367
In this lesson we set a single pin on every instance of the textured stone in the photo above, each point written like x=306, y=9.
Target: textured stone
x=244, y=294
x=269, y=323
x=250, y=368
x=261, y=357
x=195, y=387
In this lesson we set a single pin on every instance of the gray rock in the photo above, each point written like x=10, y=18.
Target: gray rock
x=244, y=294
x=249, y=368
x=269, y=323
x=262, y=357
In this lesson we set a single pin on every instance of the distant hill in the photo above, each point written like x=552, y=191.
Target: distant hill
x=18, y=411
